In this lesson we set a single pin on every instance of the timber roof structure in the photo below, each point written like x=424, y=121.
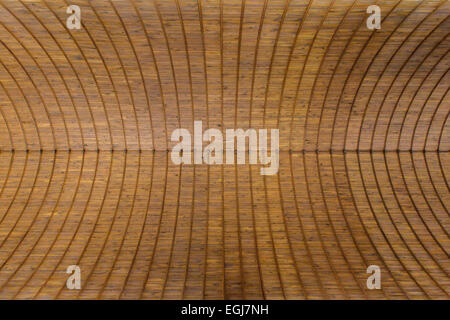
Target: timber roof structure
x=86, y=177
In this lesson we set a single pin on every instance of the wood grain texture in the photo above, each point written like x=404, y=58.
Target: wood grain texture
x=86, y=176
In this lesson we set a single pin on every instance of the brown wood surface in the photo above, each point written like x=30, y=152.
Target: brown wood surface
x=85, y=171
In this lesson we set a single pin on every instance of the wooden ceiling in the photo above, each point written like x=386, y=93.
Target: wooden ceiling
x=86, y=178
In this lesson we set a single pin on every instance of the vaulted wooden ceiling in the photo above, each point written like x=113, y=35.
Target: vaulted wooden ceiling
x=364, y=141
